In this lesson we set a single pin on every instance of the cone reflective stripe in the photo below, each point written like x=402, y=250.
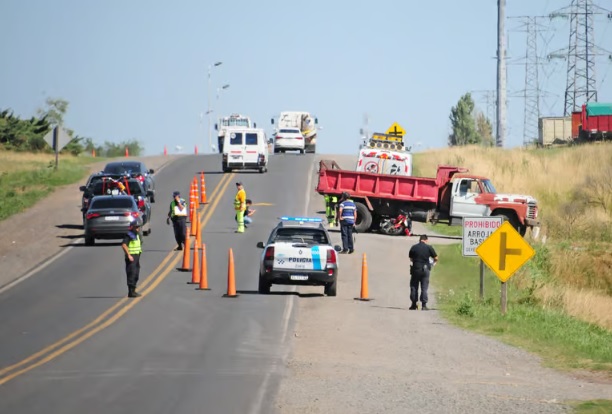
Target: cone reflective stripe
x=231, y=277
x=195, y=273
x=198, y=230
x=186, y=251
x=364, y=279
x=203, y=272
x=202, y=189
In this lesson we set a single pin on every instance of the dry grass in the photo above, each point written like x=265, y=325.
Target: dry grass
x=11, y=161
x=573, y=187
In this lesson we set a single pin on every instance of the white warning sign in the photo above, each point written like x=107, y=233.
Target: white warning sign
x=476, y=230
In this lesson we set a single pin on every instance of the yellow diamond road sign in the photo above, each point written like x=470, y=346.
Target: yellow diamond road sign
x=505, y=251
x=396, y=129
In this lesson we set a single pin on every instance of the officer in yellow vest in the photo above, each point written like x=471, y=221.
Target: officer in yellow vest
x=132, y=247
x=240, y=206
x=178, y=215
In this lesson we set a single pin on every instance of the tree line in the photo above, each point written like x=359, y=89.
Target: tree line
x=469, y=126
x=27, y=135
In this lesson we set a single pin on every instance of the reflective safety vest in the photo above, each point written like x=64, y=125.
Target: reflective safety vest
x=175, y=210
x=240, y=200
x=134, y=246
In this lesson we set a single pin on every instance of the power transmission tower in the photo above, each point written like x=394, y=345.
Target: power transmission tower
x=531, y=92
x=581, y=84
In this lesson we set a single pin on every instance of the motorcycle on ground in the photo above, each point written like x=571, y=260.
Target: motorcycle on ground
x=400, y=225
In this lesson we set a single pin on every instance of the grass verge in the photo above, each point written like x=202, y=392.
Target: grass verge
x=27, y=178
x=593, y=407
x=562, y=341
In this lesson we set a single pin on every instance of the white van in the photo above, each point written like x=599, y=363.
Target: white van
x=245, y=149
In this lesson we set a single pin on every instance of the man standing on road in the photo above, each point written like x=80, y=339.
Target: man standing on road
x=178, y=215
x=347, y=214
x=240, y=206
x=132, y=247
x=419, y=255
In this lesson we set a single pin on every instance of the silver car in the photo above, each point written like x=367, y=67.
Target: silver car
x=109, y=217
x=299, y=252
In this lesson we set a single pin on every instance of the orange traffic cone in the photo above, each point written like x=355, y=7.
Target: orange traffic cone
x=194, y=223
x=186, y=251
x=195, y=274
x=93, y=153
x=191, y=203
x=364, y=279
x=195, y=191
x=202, y=189
x=203, y=273
x=231, y=277
x=165, y=150
x=127, y=153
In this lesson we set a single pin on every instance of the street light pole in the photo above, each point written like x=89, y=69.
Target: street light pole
x=208, y=112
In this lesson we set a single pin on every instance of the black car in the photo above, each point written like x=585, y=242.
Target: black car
x=109, y=185
x=109, y=217
x=135, y=169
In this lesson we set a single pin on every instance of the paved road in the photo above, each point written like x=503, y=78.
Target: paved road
x=176, y=349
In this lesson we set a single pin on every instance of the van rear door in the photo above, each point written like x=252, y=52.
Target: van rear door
x=251, y=147
x=236, y=148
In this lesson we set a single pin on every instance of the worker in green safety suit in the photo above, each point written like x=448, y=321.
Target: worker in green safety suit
x=330, y=209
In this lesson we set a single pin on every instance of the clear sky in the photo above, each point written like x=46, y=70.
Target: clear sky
x=138, y=69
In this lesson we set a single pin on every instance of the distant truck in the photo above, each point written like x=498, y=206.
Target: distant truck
x=234, y=120
x=304, y=121
x=385, y=154
x=593, y=122
x=452, y=195
x=554, y=130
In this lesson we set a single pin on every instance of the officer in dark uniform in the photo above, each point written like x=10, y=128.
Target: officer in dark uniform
x=132, y=247
x=178, y=215
x=419, y=255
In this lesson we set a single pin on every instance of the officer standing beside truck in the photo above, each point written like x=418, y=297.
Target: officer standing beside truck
x=419, y=255
x=347, y=215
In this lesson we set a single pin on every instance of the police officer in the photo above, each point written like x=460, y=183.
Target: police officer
x=330, y=209
x=178, y=215
x=419, y=255
x=132, y=247
x=347, y=214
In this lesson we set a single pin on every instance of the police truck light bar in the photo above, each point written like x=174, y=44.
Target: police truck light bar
x=302, y=219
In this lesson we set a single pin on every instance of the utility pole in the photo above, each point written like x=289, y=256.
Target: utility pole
x=581, y=82
x=500, y=135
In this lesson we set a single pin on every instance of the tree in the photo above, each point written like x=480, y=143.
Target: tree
x=462, y=123
x=54, y=112
x=484, y=129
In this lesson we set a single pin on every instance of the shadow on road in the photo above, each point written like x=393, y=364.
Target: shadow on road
x=282, y=293
x=210, y=172
x=70, y=226
x=101, y=297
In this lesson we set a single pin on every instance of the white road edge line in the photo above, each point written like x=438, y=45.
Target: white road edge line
x=259, y=399
x=55, y=256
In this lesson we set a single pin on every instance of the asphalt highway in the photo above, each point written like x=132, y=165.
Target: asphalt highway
x=71, y=342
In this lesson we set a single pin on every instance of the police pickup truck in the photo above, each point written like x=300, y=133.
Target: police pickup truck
x=299, y=252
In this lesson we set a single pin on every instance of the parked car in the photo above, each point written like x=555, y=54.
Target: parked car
x=109, y=217
x=290, y=139
x=135, y=169
x=107, y=185
x=299, y=251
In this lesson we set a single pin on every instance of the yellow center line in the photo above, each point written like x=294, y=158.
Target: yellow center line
x=216, y=196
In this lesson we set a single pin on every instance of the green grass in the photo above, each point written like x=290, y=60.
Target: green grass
x=562, y=341
x=593, y=407
x=26, y=180
x=445, y=229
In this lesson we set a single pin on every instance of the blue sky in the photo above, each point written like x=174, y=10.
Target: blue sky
x=138, y=69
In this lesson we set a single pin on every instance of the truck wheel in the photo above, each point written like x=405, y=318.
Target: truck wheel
x=89, y=240
x=364, y=218
x=514, y=222
x=330, y=289
x=264, y=286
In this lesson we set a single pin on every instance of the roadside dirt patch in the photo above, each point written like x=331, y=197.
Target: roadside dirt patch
x=48, y=227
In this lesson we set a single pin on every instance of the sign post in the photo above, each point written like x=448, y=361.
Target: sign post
x=475, y=231
x=505, y=251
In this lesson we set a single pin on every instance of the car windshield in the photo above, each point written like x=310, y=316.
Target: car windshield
x=113, y=203
x=489, y=188
x=121, y=168
x=289, y=131
x=100, y=188
x=303, y=235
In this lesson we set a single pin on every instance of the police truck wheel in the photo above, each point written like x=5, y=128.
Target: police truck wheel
x=330, y=289
x=364, y=218
x=264, y=286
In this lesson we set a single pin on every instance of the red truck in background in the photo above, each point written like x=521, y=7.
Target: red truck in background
x=451, y=196
x=593, y=122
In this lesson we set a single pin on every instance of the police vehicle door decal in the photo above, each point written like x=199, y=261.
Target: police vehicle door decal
x=288, y=257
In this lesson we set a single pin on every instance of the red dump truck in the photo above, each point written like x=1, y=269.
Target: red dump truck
x=451, y=196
